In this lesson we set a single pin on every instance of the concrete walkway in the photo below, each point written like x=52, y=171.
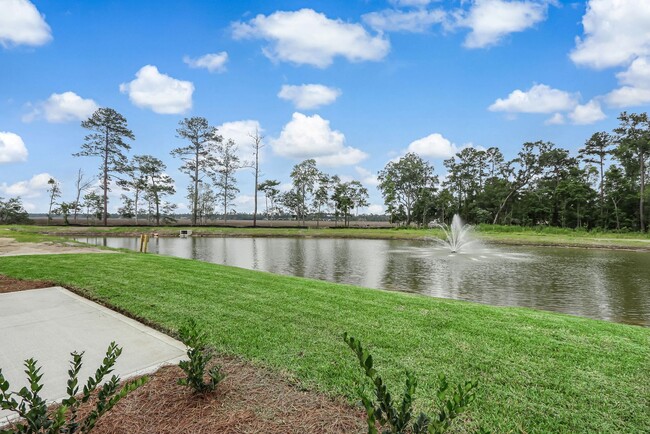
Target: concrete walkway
x=48, y=324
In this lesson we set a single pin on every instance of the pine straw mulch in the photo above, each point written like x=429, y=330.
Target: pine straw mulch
x=8, y=284
x=248, y=400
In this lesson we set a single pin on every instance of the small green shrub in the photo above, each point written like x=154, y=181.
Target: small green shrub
x=32, y=409
x=199, y=354
x=397, y=418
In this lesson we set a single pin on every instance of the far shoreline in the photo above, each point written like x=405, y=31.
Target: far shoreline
x=492, y=235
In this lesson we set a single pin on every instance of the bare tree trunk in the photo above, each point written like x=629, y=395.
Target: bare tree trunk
x=195, y=199
x=257, y=173
x=602, y=190
x=258, y=145
x=106, y=181
x=303, y=211
x=503, y=205
x=137, y=194
x=225, y=199
x=80, y=186
x=156, y=199
x=49, y=211
x=641, y=199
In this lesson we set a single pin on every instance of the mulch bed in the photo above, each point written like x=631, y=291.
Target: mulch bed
x=248, y=400
x=8, y=284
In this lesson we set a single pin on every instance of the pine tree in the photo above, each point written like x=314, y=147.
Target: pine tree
x=198, y=157
x=109, y=129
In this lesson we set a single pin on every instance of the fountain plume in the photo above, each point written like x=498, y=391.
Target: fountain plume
x=457, y=235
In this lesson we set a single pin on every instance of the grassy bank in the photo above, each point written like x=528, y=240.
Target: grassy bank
x=539, y=372
x=512, y=235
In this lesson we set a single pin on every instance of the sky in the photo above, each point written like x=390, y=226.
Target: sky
x=353, y=84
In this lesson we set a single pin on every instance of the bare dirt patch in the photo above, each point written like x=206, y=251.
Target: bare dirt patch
x=8, y=284
x=248, y=400
x=10, y=247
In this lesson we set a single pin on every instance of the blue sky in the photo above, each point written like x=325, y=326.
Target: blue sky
x=364, y=81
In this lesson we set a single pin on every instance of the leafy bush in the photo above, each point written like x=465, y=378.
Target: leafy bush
x=32, y=409
x=397, y=418
x=199, y=354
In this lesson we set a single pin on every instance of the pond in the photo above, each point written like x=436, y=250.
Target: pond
x=603, y=284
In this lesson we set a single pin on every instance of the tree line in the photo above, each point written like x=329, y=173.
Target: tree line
x=603, y=186
x=211, y=164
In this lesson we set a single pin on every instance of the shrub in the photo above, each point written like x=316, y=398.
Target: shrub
x=397, y=418
x=199, y=354
x=33, y=411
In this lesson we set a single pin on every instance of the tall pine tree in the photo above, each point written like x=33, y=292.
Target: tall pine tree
x=109, y=129
x=198, y=157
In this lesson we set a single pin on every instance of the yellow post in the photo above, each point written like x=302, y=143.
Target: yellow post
x=141, y=242
x=146, y=243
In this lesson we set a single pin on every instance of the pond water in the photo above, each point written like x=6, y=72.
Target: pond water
x=603, y=284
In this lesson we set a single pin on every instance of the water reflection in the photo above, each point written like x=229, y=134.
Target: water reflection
x=610, y=285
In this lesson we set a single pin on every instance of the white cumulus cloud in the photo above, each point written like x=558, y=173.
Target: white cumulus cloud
x=308, y=37
x=309, y=96
x=589, y=113
x=342, y=157
x=22, y=24
x=635, y=89
x=62, y=107
x=615, y=33
x=393, y=20
x=491, y=20
x=240, y=132
x=433, y=146
x=556, y=119
x=628, y=96
x=12, y=148
x=367, y=177
x=540, y=98
x=311, y=137
x=214, y=62
x=31, y=188
x=637, y=74
x=159, y=92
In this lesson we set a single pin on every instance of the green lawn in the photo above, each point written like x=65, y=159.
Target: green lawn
x=539, y=372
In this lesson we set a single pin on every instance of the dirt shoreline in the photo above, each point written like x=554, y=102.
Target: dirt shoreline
x=11, y=247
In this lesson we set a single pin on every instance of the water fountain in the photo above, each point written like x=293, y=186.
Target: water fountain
x=457, y=235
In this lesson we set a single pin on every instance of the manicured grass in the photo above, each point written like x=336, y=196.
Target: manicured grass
x=539, y=372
